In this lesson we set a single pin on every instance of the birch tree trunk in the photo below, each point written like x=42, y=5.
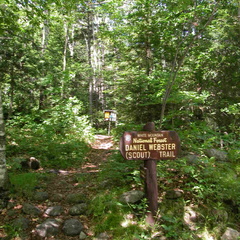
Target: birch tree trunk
x=3, y=169
x=45, y=32
x=66, y=30
x=88, y=39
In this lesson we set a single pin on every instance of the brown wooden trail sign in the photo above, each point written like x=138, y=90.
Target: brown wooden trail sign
x=157, y=145
x=150, y=145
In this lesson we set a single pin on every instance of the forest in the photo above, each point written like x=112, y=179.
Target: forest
x=175, y=63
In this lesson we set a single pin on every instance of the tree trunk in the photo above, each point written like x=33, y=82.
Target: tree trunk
x=12, y=85
x=3, y=169
x=45, y=33
x=88, y=39
x=177, y=64
x=66, y=29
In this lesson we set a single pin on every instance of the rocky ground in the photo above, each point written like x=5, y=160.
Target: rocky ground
x=58, y=209
x=59, y=205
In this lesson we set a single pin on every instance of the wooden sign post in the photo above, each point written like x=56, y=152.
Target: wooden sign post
x=110, y=116
x=150, y=145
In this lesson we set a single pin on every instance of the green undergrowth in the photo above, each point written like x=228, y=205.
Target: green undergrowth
x=121, y=221
x=58, y=137
x=210, y=191
x=24, y=184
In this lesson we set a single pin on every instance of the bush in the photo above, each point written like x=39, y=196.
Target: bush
x=58, y=137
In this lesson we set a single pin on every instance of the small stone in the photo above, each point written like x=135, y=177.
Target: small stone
x=21, y=223
x=30, y=209
x=76, y=198
x=230, y=234
x=56, y=197
x=102, y=236
x=48, y=228
x=82, y=236
x=12, y=212
x=72, y=227
x=40, y=196
x=133, y=196
x=78, y=209
x=54, y=211
x=173, y=194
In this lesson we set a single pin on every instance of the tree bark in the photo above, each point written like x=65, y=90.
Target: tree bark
x=45, y=33
x=66, y=29
x=3, y=169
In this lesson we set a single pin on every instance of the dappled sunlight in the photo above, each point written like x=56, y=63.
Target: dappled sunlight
x=90, y=168
x=102, y=142
x=128, y=220
x=205, y=235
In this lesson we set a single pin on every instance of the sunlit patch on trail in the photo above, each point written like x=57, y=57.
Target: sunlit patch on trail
x=90, y=167
x=102, y=142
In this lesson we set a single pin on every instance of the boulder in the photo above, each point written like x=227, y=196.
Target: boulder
x=133, y=196
x=219, y=155
x=72, y=227
x=78, y=209
x=173, y=194
x=57, y=197
x=193, y=159
x=191, y=218
x=54, y=211
x=76, y=198
x=30, y=163
x=40, y=196
x=230, y=234
x=21, y=223
x=31, y=209
x=48, y=228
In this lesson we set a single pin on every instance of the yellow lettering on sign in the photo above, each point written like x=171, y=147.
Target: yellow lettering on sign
x=135, y=147
x=140, y=140
x=162, y=140
x=138, y=155
x=164, y=146
x=166, y=154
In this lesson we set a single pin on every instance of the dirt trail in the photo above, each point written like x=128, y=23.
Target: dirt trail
x=59, y=185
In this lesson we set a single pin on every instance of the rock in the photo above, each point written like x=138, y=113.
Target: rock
x=76, y=198
x=21, y=223
x=48, y=228
x=31, y=163
x=102, y=236
x=230, y=234
x=219, y=155
x=220, y=215
x=40, y=196
x=78, y=209
x=4, y=198
x=191, y=217
x=12, y=213
x=173, y=194
x=56, y=197
x=192, y=159
x=54, y=211
x=82, y=236
x=72, y=227
x=133, y=196
x=31, y=210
